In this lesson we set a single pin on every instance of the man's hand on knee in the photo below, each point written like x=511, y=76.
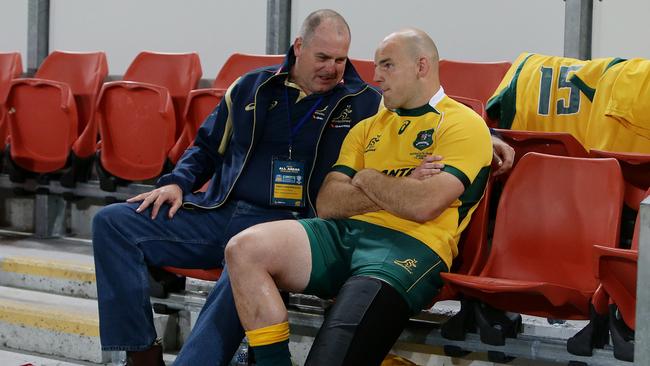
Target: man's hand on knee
x=171, y=193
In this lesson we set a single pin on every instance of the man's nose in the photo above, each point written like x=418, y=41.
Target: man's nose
x=330, y=65
x=377, y=76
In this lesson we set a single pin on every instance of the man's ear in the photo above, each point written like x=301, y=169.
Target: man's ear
x=424, y=66
x=297, y=46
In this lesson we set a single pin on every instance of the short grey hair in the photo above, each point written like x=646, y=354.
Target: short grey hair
x=314, y=19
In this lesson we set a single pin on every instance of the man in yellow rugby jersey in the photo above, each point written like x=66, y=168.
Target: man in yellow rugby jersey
x=383, y=236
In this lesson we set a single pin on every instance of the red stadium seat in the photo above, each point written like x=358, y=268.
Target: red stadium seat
x=202, y=274
x=617, y=272
x=473, y=247
x=11, y=67
x=476, y=80
x=240, y=63
x=636, y=172
x=150, y=78
x=551, y=214
x=475, y=104
x=136, y=124
x=365, y=69
x=178, y=72
x=64, y=88
x=551, y=143
x=200, y=102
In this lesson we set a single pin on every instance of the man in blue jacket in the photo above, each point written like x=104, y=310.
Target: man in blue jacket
x=266, y=149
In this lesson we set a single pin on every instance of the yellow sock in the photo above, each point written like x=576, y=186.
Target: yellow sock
x=268, y=335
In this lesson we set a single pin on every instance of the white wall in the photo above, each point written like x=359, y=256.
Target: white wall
x=463, y=29
x=471, y=30
x=122, y=28
x=13, y=27
x=621, y=28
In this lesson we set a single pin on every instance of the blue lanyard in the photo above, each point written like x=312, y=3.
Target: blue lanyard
x=295, y=129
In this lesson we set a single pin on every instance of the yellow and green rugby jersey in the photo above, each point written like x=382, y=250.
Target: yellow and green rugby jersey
x=537, y=94
x=630, y=99
x=395, y=142
x=619, y=117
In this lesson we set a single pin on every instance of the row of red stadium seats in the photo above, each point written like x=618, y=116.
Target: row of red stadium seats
x=148, y=118
x=141, y=125
x=542, y=263
x=540, y=257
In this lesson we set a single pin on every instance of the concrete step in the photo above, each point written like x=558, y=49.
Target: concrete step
x=20, y=358
x=59, y=266
x=61, y=326
x=62, y=266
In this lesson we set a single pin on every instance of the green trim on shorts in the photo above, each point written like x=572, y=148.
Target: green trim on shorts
x=344, y=248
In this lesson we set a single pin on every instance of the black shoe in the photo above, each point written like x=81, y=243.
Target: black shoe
x=153, y=356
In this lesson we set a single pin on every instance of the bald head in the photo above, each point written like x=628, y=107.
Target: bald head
x=407, y=69
x=416, y=43
x=322, y=16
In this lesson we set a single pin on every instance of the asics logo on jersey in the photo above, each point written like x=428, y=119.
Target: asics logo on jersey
x=408, y=264
x=404, y=125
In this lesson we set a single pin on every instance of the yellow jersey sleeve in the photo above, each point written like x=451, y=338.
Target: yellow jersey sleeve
x=630, y=95
x=466, y=148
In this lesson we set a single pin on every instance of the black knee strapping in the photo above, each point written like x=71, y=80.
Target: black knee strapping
x=362, y=325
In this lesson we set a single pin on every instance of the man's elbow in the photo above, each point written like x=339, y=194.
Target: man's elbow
x=323, y=210
x=425, y=214
x=323, y=213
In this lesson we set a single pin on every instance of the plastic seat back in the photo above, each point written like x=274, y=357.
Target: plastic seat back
x=136, y=123
x=551, y=143
x=477, y=80
x=551, y=213
x=83, y=72
x=64, y=89
x=636, y=171
x=240, y=63
x=617, y=271
x=473, y=246
x=11, y=66
x=178, y=72
x=365, y=69
x=41, y=137
x=201, y=102
x=475, y=104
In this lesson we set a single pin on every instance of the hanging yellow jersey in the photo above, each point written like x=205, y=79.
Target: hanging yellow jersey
x=537, y=95
x=395, y=142
x=630, y=99
x=619, y=118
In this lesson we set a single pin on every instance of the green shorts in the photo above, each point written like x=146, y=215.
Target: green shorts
x=344, y=248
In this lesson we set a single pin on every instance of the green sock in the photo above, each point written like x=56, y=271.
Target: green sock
x=274, y=354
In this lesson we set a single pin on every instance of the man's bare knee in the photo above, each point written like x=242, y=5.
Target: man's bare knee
x=241, y=248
